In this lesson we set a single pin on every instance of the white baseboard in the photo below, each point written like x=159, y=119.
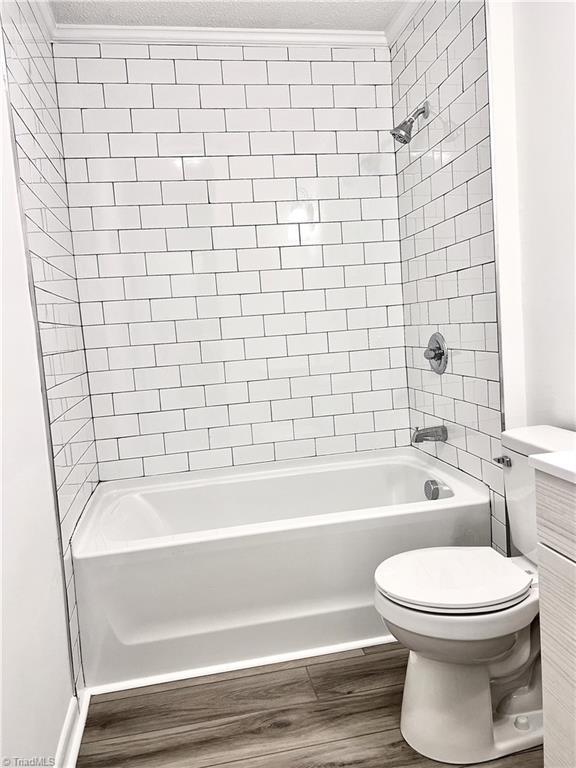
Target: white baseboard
x=72, y=730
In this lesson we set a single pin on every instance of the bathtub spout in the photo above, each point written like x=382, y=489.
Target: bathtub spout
x=430, y=434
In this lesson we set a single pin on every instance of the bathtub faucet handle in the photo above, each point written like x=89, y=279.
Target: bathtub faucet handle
x=437, y=353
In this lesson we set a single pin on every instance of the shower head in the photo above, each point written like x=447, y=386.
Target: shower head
x=403, y=131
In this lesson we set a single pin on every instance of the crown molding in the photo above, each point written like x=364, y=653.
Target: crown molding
x=84, y=33
x=45, y=18
x=405, y=12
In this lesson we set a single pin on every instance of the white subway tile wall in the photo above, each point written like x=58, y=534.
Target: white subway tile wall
x=446, y=234
x=38, y=143
x=235, y=224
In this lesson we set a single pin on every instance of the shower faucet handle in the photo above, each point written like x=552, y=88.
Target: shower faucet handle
x=436, y=353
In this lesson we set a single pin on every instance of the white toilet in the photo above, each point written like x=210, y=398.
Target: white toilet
x=469, y=616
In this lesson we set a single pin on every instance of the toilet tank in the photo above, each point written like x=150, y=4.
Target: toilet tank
x=519, y=479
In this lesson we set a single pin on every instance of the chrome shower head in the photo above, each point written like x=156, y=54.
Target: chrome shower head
x=403, y=132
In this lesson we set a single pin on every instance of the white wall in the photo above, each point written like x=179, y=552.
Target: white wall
x=36, y=681
x=534, y=140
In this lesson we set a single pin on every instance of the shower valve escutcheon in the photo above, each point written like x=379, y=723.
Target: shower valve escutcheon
x=436, y=353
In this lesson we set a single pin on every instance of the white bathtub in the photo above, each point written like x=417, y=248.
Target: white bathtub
x=240, y=566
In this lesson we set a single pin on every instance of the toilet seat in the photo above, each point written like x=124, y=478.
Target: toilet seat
x=453, y=580
x=460, y=626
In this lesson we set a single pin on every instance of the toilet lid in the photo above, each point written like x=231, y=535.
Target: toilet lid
x=453, y=580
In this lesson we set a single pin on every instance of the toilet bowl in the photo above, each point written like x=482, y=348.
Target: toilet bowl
x=469, y=617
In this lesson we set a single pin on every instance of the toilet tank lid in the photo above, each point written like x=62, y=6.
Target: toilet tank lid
x=538, y=439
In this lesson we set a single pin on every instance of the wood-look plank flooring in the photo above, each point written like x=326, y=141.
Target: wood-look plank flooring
x=336, y=711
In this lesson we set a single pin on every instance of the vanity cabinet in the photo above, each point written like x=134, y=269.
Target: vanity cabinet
x=556, y=515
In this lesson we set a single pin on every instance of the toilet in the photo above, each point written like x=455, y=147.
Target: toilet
x=469, y=616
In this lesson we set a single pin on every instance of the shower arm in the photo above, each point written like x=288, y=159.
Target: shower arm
x=423, y=110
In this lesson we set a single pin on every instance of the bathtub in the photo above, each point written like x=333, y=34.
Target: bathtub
x=207, y=571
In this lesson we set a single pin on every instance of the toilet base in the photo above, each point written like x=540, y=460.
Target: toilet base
x=447, y=714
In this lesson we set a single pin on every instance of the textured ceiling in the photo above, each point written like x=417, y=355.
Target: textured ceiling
x=371, y=15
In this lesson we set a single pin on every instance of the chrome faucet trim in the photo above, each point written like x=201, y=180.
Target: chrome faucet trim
x=430, y=434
